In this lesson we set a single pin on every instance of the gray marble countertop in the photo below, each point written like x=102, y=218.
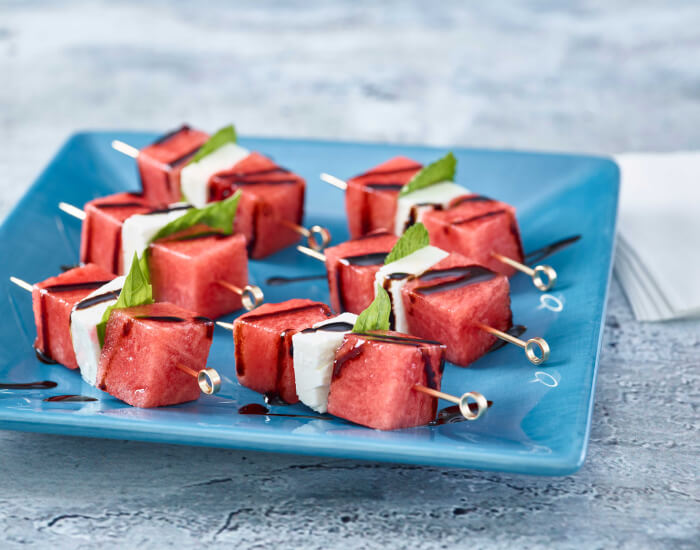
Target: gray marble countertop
x=589, y=77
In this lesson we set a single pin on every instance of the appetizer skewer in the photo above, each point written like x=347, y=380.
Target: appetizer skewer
x=400, y=192
x=198, y=266
x=105, y=326
x=296, y=351
x=434, y=294
x=187, y=163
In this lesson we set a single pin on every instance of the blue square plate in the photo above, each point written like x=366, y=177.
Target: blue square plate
x=540, y=419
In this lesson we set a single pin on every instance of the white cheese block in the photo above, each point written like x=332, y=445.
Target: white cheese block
x=139, y=229
x=425, y=199
x=83, y=330
x=194, y=178
x=412, y=265
x=314, y=353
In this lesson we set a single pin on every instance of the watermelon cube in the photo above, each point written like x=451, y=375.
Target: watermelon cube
x=476, y=226
x=187, y=272
x=101, y=238
x=52, y=302
x=373, y=378
x=148, y=350
x=271, y=195
x=263, y=345
x=351, y=268
x=446, y=301
x=161, y=162
x=370, y=199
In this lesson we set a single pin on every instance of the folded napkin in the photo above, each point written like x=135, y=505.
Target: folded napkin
x=658, y=245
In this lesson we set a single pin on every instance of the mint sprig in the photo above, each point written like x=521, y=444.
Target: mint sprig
x=136, y=291
x=214, y=217
x=376, y=316
x=218, y=140
x=443, y=169
x=414, y=238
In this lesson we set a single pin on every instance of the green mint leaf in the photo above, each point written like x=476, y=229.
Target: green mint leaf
x=441, y=170
x=136, y=292
x=414, y=238
x=143, y=260
x=219, y=139
x=376, y=316
x=214, y=217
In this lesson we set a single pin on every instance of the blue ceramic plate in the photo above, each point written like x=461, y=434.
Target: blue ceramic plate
x=540, y=418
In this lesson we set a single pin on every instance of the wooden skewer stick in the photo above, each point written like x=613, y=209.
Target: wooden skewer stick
x=22, y=284
x=536, y=349
x=227, y=326
x=251, y=295
x=315, y=254
x=317, y=237
x=543, y=276
x=125, y=148
x=208, y=379
x=335, y=182
x=463, y=402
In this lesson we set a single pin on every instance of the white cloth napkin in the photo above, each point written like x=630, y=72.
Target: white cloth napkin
x=658, y=246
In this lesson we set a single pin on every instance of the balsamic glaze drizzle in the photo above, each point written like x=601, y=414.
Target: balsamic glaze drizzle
x=106, y=297
x=480, y=216
x=452, y=414
x=464, y=276
x=44, y=385
x=88, y=285
x=336, y=326
x=541, y=253
x=161, y=318
x=171, y=134
x=262, y=410
x=276, y=281
x=70, y=398
x=44, y=357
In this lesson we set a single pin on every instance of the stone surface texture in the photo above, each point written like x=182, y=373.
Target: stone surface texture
x=542, y=74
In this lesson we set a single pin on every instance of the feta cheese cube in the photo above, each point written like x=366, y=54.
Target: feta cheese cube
x=410, y=208
x=194, y=178
x=314, y=353
x=84, y=318
x=394, y=275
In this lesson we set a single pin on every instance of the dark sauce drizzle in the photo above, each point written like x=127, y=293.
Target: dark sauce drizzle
x=44, y=357
x=480, y=217
x=120, y=205
x=470, y=198
x=161, y=318
x=452, y=414
x=464, y=276
x=171, y=134
x=70, y=398
x=44, y=385
x=541, y=253
x=373, y=258
x=262, y=410
x=106, y=297
x=336, y=326
x=169, y=209
x=276, y=281
x=88, y=285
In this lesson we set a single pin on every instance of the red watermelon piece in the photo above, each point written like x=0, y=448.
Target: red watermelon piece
x=444, y=303
x=370, y=199
x=101, y=238
x=185, y=273
x=351, y=268
x=373, y=377
x=475, y=226
x=263, y=345
x=161, y=162
x=52, y=302
x=144, y=346
x=269, y=194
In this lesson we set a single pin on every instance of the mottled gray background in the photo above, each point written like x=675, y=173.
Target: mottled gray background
x=577, y=76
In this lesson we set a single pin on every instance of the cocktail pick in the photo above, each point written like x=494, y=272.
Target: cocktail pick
x=463, y=401
x=317, y=237
x=543, y=276
x=208, y=379
x=536, y=349
x=251, y=295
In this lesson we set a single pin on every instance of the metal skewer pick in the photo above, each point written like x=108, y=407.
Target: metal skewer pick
x=208, y=379
x=463, y=401
x=317, y=237
x=543, y=276
x=251, y=295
